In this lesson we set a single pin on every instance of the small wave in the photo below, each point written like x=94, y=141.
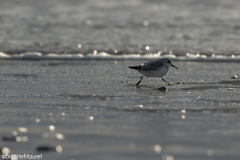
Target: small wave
x=107, y=56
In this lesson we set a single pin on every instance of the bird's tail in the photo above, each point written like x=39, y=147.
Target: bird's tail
x=135, y=67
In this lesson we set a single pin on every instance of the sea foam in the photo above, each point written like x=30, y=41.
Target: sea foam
x=107, y=56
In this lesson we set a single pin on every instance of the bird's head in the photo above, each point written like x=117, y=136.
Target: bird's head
x=169, y=62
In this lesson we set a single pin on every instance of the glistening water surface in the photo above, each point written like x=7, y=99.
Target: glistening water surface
x=118, y=27
x=93, y=110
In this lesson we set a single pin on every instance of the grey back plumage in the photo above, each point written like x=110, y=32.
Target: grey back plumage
x=152, y=65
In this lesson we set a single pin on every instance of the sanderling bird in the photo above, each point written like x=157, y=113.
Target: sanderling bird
x=155, y=69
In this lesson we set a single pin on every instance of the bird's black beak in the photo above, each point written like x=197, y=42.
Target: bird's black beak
x=174, y=66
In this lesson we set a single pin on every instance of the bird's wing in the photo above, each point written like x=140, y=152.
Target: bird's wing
x=152, y=65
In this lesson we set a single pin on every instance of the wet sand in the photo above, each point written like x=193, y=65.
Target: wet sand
x=98, y=113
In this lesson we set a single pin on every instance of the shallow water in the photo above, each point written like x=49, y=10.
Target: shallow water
x=103, y=115
x=129, y=26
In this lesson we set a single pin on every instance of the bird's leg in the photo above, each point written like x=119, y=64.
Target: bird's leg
x=140, y=81
x=166, y=81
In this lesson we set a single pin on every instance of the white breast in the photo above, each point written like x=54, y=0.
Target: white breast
x=159, y=73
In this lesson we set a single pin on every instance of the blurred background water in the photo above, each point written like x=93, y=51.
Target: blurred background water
x=120, y=27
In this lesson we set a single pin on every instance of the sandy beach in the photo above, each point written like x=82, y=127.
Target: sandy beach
x=98, y=112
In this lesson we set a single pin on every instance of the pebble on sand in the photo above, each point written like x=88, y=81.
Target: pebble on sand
x=15, y=138
x=9, y=138
x=179, y=83
x=234, y=77
x=47, y=148
x=164, y=89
